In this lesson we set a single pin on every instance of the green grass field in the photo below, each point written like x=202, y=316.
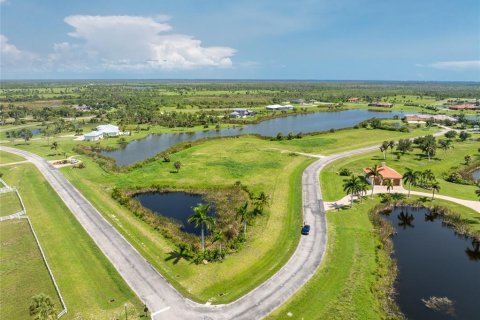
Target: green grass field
x=332, y=182
x=90, y=285
x=23, y=271
x=9, y=204
x=218, y=163
x=6, y=157
x=344, y=285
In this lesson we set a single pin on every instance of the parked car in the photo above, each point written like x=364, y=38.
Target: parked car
x=306, y=229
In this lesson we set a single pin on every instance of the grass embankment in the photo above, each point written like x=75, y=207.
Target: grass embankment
x=332, y=182
x=9, y=204
x=6, y=157
x=352, y=281
x=23, y=271
x=353, y=265
x=214, y=164
x=90, y=285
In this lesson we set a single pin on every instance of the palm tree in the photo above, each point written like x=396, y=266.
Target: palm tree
x=352, y=186
x=177, y=165
x=42, y=307
x=444, y=145
x=260, y=202
x=428, y=176
x=383, y=150
x=411, y=178
x=374, y=173
x=477, y=192
x=245, y=215
x=391, y=144
x=435, y=188
x=54, y=145
x=201, y=218
x=389, y=184
x=218, y=236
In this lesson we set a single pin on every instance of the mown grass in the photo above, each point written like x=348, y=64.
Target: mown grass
x=91, y=287
x=352, y=266
x=214, y=164
x=23, y=271
x=332, y=182
x=9, y=204
x=6, y=157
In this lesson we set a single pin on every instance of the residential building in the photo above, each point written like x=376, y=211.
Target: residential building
x=93, y=136
x=387, y=174
x=353, y=100
x=277, y=107
x=381, y=104
x=298, y=101
x=422, y=118
x=108, y=130
x=464, y=106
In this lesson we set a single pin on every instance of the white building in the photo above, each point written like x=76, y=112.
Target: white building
x=108, y=130
x=277, y=107
x=93, y=136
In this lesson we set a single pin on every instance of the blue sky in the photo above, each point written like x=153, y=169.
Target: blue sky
x=263, y=39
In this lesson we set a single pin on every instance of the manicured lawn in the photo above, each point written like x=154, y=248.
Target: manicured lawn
x=22, y=270
x=214, y=164
x=332, y=182
x=90, y=285
x=6, y=157
x=342, y=287
x=9, y=204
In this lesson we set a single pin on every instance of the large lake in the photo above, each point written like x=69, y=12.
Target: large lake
x=433, y=261
x=306, y=123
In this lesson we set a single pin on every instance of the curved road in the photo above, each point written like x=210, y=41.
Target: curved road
x=164, y=301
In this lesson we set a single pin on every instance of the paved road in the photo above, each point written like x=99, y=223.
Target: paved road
x=162, y=299
x=345, y=201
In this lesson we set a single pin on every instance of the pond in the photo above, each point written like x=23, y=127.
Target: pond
x=307, y=123
x=175, y=205
x=476, y=174
x=433, y=261
x=36, y=131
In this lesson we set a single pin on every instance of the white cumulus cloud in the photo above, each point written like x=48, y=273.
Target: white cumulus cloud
x=11, y=56
x=462, y=65
x=141, y=43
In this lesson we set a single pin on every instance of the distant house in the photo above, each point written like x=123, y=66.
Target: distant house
x=298, y=101
x=353, y=100
x=476, y=128
x=234, y=114
x=277, y=107
x=82, y=108
x=422, y=118
x=93, y=136
x=312, y=101
x=108, y=130
x=381, y=104
x=463, y=106
x=387, y=174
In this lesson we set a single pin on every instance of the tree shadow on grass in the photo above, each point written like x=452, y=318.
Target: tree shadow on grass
x=176, y=255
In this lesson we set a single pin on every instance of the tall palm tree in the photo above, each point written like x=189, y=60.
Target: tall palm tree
x=477, y=192
x=444, y=145
x=391, y=144
x=218, y=236
x=352, y=186
x=374, y=173
x=383, y=151
x=428, y=176
x=202, y=219
x=42, y=308
x=411, y=178
x=435, y=188
x=245, y=215
x=389, y=184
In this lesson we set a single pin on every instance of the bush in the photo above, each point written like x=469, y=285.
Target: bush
x=345, y=172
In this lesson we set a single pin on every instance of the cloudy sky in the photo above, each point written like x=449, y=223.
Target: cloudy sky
x=248, y=39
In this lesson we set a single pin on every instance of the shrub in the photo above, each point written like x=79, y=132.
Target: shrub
x=345, y=172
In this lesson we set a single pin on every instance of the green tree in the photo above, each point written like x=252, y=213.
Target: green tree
x=389, y=184
x=435, y=188
x=392, y=145
x=245, y=215
x=451, y=134
x=477, y=192
x=374, y=173
x=444, y=145
x=177, y=165
x=54, y=146
x=352, y=186
x=26, y=134
x=411, y=178
x=467, y=159
x=464, y=135
x=202, y=219
x=42, y=307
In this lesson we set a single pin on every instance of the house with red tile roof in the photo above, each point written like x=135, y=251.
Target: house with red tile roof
x=353, y=100
x=387, y=174
x=381, y=104
x=463, y=106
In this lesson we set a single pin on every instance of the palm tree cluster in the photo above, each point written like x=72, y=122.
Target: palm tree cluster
x=427, y=144
x=425, y=179
x=355, y=186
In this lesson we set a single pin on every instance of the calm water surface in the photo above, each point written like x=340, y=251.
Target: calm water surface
x=434, y=261
x=175, y=205
x=476, y=174
x=313, y=122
